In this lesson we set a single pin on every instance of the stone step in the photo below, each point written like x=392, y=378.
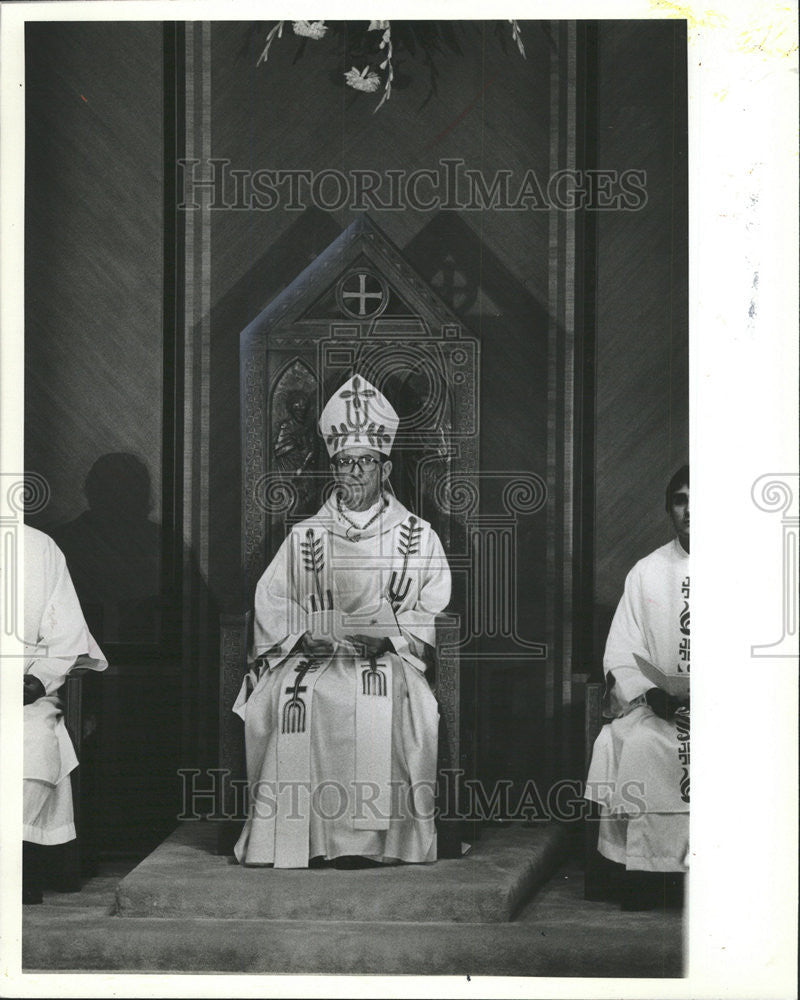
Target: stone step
x=607, y=945
x=184, y=877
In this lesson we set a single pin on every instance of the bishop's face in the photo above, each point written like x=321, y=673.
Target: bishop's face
x=679, y=514
x=360, y=473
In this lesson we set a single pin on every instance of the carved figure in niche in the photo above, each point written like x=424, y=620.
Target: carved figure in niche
x=296, y=446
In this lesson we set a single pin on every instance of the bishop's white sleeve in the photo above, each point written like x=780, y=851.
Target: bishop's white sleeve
x=625, y=638
x=279, y=623
x=63, y=641
x=280, y=618
x=417, y=622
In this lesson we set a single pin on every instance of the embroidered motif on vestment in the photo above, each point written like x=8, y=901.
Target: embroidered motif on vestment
x=408, y=541
x=373, y=680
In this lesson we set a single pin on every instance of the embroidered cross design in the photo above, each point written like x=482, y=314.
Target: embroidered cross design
x=682, y=723
x=407, y=546
x=358, y=421
x=294, y=711
x=314, y=562
x=373, y=681
x=683, y=651
x=354, y=400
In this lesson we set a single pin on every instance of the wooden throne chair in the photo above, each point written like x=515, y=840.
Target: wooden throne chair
x=358, y=308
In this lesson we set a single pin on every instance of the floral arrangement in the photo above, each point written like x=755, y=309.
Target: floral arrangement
x=376, y=71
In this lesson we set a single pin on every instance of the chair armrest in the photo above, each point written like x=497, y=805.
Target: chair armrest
x=233, y=642
x=593, y=717
x=72, y=699
x=445, y=650
x=234, y=630
x=447, y=685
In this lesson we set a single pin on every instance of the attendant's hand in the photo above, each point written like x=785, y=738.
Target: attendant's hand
x=32, y=689
x=370, y=645
x=316, y=645
x=663, y=704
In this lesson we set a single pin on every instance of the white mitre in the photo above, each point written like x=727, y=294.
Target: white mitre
x=358, y=415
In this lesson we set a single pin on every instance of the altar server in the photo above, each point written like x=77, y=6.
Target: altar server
x=639, y=773
x=57, y=641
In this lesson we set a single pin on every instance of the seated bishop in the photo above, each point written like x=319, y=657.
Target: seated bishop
x=341, y=725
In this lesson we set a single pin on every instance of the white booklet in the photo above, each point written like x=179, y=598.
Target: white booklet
x=675, y=684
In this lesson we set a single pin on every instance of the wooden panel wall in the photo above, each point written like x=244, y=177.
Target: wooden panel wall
x=642, y=407
x=93, y=253
x=94, y=374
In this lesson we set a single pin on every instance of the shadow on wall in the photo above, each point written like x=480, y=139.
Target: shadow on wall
x=155, y=708
x=113, y=551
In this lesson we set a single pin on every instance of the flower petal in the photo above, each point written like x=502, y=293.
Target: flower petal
x=310, y=29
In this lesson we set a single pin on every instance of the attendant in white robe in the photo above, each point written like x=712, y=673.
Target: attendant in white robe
x=639, y=773
x=56, y=642
x=341, y=725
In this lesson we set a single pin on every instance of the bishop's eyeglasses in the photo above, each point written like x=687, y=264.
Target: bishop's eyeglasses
x=366, y=463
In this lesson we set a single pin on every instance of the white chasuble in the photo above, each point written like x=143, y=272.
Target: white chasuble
x=341, y=750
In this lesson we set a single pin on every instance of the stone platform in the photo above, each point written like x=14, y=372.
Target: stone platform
x=557, y=933
x=180, y=888
x=183, y=877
